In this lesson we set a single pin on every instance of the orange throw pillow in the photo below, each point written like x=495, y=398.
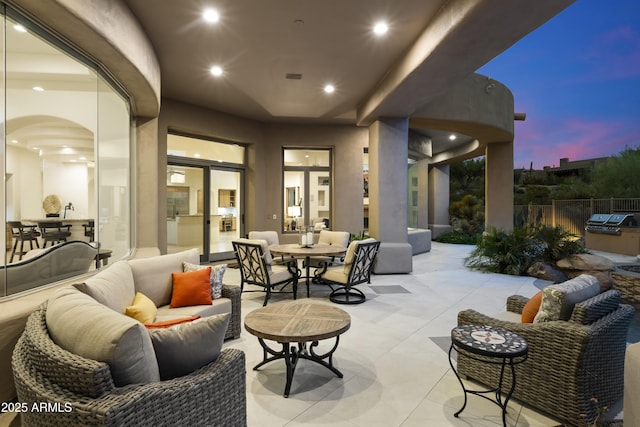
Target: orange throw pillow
x=531, y=308
x=169, y=323
x=191, y=288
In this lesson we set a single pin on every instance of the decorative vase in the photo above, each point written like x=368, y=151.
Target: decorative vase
x=305, y=236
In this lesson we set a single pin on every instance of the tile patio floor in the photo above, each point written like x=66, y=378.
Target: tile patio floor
x=396, y=370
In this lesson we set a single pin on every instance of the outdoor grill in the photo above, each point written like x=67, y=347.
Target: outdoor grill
x=610, y=223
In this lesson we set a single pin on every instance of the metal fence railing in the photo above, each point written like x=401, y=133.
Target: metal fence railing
x=572, y=214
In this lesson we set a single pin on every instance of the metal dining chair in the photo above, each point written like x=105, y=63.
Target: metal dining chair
x=358, y=263
x=254, y=261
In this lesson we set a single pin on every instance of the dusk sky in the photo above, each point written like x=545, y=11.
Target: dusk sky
x=578, y=80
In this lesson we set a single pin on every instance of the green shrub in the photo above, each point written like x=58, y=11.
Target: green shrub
x=459, y=238
x=513, y=253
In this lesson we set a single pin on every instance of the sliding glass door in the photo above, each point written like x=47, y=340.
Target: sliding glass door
x=226, y=211
x=204, y=209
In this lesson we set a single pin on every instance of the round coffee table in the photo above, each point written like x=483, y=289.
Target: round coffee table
x=295, y=322
x=490, y=345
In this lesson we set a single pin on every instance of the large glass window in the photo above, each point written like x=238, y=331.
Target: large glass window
x=66, y=157
x=307, y=188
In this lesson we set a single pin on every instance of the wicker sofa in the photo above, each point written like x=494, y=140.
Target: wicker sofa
x=80, y=391
x=570, y=361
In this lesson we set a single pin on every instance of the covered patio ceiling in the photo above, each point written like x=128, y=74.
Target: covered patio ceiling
x=276, y=57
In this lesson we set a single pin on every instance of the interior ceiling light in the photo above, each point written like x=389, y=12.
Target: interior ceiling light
x=452, y=137
x=380, y=28
x=211, y=16
x=38, y=89
x=20, y=28
x=216, y=70
x=14, y=141
x=329, y=89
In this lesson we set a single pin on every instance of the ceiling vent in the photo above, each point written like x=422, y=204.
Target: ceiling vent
x=293, y=76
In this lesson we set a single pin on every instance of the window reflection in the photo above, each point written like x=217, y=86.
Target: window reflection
x=66, y=152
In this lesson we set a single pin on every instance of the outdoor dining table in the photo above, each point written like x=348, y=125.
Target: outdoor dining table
x=294, y=250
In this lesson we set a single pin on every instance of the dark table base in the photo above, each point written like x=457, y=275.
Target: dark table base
x=292, y=353
x=503, y=362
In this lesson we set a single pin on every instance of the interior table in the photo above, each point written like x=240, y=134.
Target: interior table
x=491, y=345
x=301, y=323
x=294, y=250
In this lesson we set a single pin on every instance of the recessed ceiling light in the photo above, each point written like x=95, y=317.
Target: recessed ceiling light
x=452, y=137
x=83, y=158
x=38, y=89
x=211, y=15
x=20, y=28
x=14, y=141
x=196, y=155
x=35, y=148
x=329, y=89
x=380, y=28
x=216, y=70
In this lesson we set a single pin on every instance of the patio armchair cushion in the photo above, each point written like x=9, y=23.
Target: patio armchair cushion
x=268, y=259
x=351, y=252
x=559, y=300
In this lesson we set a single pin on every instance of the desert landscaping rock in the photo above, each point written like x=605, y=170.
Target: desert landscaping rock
x=586, y=262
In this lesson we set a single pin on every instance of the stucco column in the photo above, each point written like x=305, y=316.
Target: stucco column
x=439, y=200
x=147, y=183
x=388, y=154
x=498, y=208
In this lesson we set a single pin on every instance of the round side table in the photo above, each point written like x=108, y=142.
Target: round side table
x=490, y=345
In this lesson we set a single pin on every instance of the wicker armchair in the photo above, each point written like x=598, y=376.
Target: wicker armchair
x=570, y=362
x=80, y=391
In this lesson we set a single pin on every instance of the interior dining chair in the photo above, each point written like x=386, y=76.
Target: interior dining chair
x=357, y=267
x=255, y=263
x=54, y=232
x=89, y=229
x=22, y=233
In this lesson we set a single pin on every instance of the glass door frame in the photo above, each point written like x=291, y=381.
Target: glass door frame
x=207, y=166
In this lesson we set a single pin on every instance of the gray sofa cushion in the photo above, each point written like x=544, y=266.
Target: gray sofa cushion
x=152, y=276
x=80, y=324
x=184, y=348
x=112, y=287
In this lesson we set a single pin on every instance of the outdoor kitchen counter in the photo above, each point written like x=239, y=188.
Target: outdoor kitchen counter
x=625, y=243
